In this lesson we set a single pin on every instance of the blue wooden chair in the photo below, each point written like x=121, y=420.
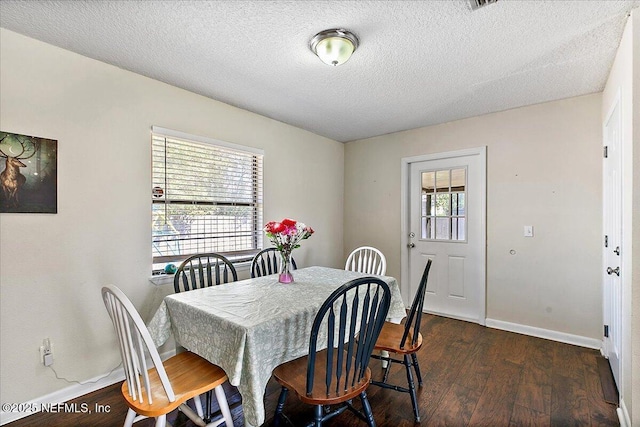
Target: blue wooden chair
x=405, y=340
x=266, y=262
x=202, y=270
x=345, y=330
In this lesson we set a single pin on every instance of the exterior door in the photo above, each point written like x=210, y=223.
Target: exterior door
x=612, y=256
x=447, y=223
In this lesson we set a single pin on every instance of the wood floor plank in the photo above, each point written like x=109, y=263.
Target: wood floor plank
x=496, y=402
x=527, y=417
x=455, y=408
x=534, y=391
x=567, y=361
x=569, y=403
x=538, y=367
x=534, y=396
x=601, y=411
x=516, y=348
x=609, y=389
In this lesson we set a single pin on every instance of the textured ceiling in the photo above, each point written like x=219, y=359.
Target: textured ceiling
x=419, y=62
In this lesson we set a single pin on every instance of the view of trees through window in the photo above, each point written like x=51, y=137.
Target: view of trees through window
x=443, y=207
x=205, y=198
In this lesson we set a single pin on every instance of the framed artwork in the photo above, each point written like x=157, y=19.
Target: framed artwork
x=28, y=174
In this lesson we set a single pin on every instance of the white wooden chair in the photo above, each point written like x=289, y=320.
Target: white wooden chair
x=366, y=259
x=154, y=388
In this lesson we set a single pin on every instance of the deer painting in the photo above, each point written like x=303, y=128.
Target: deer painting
x=14, y=150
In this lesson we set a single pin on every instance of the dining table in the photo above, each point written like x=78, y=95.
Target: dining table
x=251, y=326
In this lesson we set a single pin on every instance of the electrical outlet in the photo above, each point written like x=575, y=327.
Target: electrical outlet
x=46, y=352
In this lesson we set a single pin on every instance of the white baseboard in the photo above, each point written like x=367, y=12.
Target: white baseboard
x=623, y=414
x=453, y=316
x=63, y=395
x=68, y=393
x=545, y=333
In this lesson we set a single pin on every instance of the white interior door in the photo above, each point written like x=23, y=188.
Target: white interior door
x=612, y=256
x=447, y=223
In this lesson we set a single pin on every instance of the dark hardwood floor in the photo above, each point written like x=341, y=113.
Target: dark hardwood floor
x=473, y=376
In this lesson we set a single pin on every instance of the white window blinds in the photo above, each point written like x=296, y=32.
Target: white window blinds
x=206, y=197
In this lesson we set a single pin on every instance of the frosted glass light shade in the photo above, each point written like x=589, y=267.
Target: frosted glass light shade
x=334, y=47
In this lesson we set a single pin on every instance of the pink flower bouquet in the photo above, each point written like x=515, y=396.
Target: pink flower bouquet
x=286, y=236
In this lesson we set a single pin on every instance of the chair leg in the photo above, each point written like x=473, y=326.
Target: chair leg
x=417, y=368
x=385, y=377
x=198, y=404
x=317, y=422
x=280, y=407
x=224, y=405
x=207, y=409
x=161, y=421
x=366, y=408
x=131, y=415
x=412, y=388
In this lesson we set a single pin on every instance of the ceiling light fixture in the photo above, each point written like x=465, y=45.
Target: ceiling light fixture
x=335, y=46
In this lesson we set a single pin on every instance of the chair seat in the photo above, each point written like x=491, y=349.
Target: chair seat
x=190, y=374
x=292, y=375
x=391, y=336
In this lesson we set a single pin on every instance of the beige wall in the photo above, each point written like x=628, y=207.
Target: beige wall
x=53, y=266
x=544, y=169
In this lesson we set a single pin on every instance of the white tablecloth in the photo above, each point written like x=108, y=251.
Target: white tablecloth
x=251, y=326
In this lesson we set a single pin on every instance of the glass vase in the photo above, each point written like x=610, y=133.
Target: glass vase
x=285, y=269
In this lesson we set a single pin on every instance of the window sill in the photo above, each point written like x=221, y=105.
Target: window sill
x=167, y=279
x=161, y=279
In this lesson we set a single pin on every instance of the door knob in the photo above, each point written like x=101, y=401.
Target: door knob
x=611, y=271
x=411, y=245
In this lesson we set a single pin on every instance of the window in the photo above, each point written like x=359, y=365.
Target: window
x=206, y=197
x=443, y=204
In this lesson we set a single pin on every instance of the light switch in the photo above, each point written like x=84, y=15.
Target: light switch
x=528, y=231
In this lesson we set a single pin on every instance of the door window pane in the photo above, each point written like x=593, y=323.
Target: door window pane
x=443, y=228
x=458, y=179
x=428, y=181
x=462, y=229
x=442, y=181
x=443, y=204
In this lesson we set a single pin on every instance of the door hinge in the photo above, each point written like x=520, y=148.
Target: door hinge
x=606, y=151
x=606, y=241
x=606, y=331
